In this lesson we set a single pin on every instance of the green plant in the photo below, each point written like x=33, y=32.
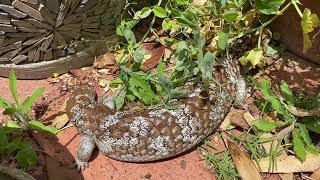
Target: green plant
x=300, y=135
x=220, y=162
x=11, y=142
x=192, y=28
x=21, y=149
x=20, y=111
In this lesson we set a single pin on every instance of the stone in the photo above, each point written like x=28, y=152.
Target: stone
x=15, y=45
x=48, y=17
x=53, y=5
x=34, y=40
x=8, y=41
x=28, y=10
x=7, y=28
x=63, y=10
x=9, y=55
x=48, y=55
x=31, y=54
x=31, y=30
x=37, y=55
x=39, y=24
x=46, y=43
x=21, y=23
x=19, y=59
x=59, y=39
x=35, y=2
x=33, y=46
x=70, y=27
x=23, y=34
x=4, y=19
x=12, y=11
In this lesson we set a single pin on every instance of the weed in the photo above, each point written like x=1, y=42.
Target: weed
x=20, y=113
x=191, y=28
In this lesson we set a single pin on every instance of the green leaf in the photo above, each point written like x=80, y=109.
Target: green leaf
x=15, y=145
x=13, y=87
x=309, y=21
x=27, y=103
x=312, y=123
x=7, y=130
x=27, y=157
x=10, y=111
x=269, y=6
x=5, y=104
x=253, y=57
x=166, y=24
x=265, y=88
x=12, y=124
x=160, y=12
x=161, y=67
x=166, y=84
x=143, y=13
x=287, y=93
x=130, y=37
x=223, y=38
x=120, y=98
x=37, y=125
x=298, y=146
x=307, y=140
x=265, y=125
x=231, y=17
x=3, y=143
x=206, y=66
x=138, y=55
x=142, y=90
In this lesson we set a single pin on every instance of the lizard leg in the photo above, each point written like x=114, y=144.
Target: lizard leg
x=87, y=145
x=241, y=93
x=108, y=101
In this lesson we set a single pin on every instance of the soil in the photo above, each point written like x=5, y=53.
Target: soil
x=60, y=151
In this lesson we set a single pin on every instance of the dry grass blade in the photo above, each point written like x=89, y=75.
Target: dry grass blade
x=244, y=165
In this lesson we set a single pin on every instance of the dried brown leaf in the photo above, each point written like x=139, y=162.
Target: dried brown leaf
x=302, y=112
x=315, y=175
x=105, y=60
x=60, y=121
x=291, y=164
x=244, y=165
x=156, y=55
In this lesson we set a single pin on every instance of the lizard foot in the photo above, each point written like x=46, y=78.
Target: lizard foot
x=80, y=165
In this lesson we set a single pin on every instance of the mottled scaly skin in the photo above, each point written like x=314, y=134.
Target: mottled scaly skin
x=151, y=134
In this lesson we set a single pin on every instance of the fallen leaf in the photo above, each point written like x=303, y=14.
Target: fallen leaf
x=226, y=124
x=302, y=112
x=235, y=117
x=78, y=72
x=60, y=121
x=156, y=55
x=291, y=164
x=315, y=175
x=249, y=118
x=244, y=165
x=105, y=60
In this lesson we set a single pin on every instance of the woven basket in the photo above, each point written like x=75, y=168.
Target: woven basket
x=42, y=37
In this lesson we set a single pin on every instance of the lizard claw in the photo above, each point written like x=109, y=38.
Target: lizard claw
x=80, y=165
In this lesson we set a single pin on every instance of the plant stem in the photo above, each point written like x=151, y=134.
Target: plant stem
x=298, y=9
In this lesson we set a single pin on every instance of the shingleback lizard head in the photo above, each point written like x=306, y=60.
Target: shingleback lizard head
x=81, y=98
